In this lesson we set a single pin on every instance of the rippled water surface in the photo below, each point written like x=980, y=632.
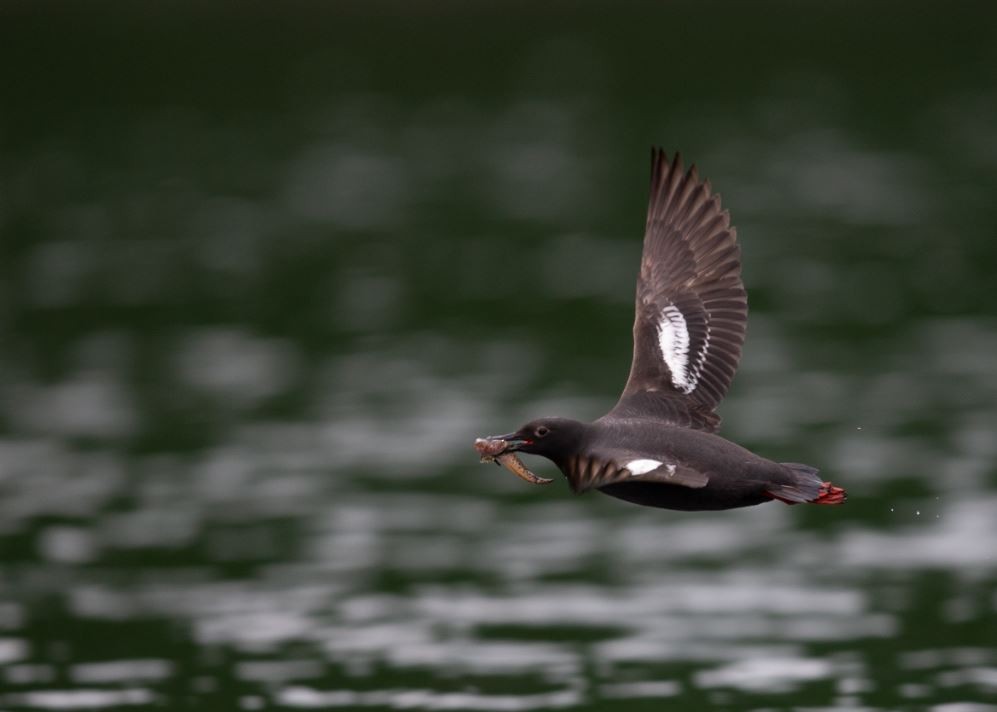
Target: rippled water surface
x=264, y=275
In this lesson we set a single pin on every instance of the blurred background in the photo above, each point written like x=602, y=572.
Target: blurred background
x=267, y=270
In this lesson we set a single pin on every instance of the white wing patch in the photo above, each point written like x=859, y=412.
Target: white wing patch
x=641, y=467
x=673, y=339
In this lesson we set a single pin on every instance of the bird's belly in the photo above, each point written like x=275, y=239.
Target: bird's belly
x=711, y=497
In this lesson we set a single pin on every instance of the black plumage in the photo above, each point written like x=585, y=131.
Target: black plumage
x=658, y=445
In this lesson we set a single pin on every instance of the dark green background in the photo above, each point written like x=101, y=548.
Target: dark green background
x=266, y=270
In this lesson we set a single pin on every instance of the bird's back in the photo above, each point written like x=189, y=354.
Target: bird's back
x=733, y=475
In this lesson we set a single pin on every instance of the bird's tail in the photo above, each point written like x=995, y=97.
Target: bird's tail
x=806, y=486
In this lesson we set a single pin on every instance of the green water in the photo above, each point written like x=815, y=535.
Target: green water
x=265, y=272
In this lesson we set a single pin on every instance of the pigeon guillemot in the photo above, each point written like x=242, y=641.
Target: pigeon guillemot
x=658, y=446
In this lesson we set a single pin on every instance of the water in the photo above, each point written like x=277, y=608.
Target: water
x=265, y=276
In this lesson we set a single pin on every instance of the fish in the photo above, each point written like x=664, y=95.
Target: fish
x=494, y=450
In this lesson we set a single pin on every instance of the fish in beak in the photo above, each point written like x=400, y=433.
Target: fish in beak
x=501, y=449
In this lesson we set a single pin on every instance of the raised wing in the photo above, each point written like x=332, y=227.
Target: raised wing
x=691, y=310
x=607, y=467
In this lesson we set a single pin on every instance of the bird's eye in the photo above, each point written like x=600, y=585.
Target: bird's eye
x=541, y=431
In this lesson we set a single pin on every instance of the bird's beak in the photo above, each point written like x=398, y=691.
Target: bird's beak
x=513, y=442
x=500, y=449
x=492, y=446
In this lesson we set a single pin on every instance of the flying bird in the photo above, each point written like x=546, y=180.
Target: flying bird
x=659, y=445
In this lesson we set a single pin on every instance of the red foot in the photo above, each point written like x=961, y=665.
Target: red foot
x=829, y=494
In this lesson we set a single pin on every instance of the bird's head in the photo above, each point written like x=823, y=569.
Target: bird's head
x=549, y=437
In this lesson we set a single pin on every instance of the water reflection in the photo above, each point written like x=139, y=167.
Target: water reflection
x=239, y=392
x=474, y=583
x=753, y=627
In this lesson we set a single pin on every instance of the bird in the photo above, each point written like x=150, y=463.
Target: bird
x=659, y=445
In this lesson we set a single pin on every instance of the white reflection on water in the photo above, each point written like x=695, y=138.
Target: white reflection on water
x=347, y=186
x=358, y=536
x=825, y=173
x=278, y=671
x=90, y=403
x=92, y=698
x=649, y=688
x=236, y=368
x=73, y=545
x=121, y=671
x=964, y=539
x=487, y=579
x=23, y=674
x=750, y=626
x=536, y=165
x=766, y=674
x=12, y=649
x=306, y=697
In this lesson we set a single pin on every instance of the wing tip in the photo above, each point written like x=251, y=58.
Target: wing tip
x=659, y=159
